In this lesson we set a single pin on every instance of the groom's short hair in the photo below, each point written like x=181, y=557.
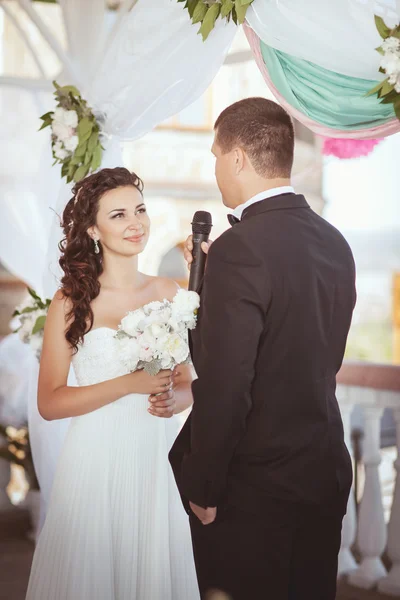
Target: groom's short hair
x=264, y=130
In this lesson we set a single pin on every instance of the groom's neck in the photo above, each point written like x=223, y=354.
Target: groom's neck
x=252, y=188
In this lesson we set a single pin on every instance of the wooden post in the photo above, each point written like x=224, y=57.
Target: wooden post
x=396, y=318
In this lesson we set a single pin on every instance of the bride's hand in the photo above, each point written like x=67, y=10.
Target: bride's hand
x=162, y=405
x=143, y=383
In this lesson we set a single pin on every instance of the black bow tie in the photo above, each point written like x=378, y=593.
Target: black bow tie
x=233, y=220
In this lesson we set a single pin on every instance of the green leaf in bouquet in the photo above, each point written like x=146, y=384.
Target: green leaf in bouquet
x=245, y=2
x=389, y=98
x=396, y=33
x=209, y=20
x=28, y=309
x=88, y=158
x=380, y=50
x=84, y=130
x=386, y=88
x=199, y=12
x=234, y=16
x=93, y=141
x=240, y=11
x=396, y=106
x=71, y=89
x=81, y=149
x=375, y=89
x=153, y=367
x=227, y=6
x=120, y=335
x=191, y=5
x=33, y=294
x=382, y=28
x=39, y=325
x=97, y=156
x=81, y=172
x=65, y=169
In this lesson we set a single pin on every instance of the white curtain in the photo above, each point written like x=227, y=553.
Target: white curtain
x=338, y=35
x=137, y=69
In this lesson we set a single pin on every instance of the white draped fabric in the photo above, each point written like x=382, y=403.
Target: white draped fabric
x=340, y=36
x=137, y=70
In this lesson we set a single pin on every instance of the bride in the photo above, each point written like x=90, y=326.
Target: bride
x=115, y=528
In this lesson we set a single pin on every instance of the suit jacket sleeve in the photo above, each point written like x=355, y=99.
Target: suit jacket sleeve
x=234, y=303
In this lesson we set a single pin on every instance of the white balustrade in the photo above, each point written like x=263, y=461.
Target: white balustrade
x=373, y=388
x=346, y=560
x=391, y=583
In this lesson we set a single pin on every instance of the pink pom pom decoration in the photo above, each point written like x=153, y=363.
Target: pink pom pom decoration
x=348, y=148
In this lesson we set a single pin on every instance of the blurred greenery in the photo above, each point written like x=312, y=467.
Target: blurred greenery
x=371, y=342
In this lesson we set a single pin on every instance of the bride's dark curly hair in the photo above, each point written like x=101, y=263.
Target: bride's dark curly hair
x=81, y=266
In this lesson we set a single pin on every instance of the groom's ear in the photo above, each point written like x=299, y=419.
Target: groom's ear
x=239, y=158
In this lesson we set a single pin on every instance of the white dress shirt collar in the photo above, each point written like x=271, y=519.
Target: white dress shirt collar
x=287, y=189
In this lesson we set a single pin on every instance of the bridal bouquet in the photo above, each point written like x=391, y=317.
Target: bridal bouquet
x=155, y=337
x=31, y=319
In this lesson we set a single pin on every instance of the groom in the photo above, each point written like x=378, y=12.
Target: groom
x=261, y=463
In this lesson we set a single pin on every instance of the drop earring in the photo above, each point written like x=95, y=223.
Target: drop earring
x=96, y=247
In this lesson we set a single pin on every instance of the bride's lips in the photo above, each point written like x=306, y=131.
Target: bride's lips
x=136, y=239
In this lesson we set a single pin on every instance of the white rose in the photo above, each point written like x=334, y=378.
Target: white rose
x=71, y=143
x=186, y=301
x=66, y=117
x=36, y=343
x=61, y=131
x=177, y=348
x=128, y=352
x=146, y=353
x=70, y=118
x=156, y=305
x=390, y=44
x=59, y=151
x=390, y=62
x=59, y=114
x=132, y=323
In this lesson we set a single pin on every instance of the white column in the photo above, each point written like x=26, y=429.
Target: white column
x=391, y=583
x=372, y=534
x=346, y=559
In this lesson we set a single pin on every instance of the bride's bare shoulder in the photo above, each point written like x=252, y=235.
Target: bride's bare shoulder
x=163, y=287
x=60, y=307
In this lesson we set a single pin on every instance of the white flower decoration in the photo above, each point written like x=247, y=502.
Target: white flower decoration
x=131, y=324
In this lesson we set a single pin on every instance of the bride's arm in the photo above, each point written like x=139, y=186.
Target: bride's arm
x=176, y=400
x=57, y=400
x=182, y=385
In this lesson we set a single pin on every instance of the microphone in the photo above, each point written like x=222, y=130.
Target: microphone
x=201, y=227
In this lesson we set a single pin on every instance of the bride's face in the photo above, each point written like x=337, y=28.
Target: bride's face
x=122, y=224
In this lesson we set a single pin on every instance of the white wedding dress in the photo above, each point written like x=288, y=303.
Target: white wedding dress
x=115, y=528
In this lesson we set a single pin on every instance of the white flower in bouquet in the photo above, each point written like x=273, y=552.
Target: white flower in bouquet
x=390, y=44
x=66, y=117
x=36, y=343
x=71, y=143
x=59, y=151
x=128, y=352
x=160, y=331
x=131, y=324
x=390, y=62
x=177, y=348
x=184, y=308
x=61, y=132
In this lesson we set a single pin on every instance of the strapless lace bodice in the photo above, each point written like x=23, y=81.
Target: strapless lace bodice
x=97, y=358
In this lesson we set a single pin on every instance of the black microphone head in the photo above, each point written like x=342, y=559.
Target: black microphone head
x=202, y=222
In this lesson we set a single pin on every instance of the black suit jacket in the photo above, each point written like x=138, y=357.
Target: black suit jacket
x=276, y=308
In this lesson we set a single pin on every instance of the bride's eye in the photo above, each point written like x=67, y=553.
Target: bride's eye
x=120, y=214
x=141, y=211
